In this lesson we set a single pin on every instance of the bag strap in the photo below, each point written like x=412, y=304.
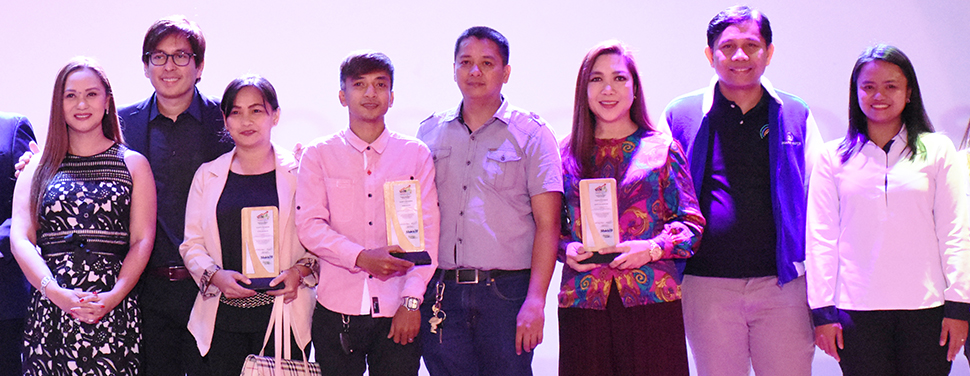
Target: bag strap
x=276, y=322
x=288, y=345
x=281, y=320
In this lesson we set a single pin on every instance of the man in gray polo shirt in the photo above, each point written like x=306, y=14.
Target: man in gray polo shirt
x=499, y=180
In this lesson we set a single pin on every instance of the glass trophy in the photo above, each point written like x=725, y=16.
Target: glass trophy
x=405, y=221
x=599, y=218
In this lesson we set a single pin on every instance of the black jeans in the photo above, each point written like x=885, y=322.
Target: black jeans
x=372, y=349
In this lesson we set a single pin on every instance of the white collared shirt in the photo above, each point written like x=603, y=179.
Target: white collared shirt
x=887, y=232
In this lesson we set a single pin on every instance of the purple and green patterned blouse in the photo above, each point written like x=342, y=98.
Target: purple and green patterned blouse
x=654, y=188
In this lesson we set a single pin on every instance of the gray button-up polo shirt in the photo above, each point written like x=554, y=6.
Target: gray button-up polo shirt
x=485, y=182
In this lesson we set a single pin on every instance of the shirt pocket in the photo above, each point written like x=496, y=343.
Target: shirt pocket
x=340, y=200
x=441, y=158
x=500, y=168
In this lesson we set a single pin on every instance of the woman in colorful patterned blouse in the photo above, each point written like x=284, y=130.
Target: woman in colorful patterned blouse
x=624, y=317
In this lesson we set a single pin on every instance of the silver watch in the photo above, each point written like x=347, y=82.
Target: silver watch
x=411, y=303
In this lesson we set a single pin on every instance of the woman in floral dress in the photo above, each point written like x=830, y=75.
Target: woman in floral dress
x=88, y=204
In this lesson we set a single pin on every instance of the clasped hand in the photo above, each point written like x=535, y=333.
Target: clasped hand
x=290, y=278
x=86, y=307
x=227, y=281
x=633, y=254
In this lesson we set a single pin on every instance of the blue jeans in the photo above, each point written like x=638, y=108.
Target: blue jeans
x=478, y=335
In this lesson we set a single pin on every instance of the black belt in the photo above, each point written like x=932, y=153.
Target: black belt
x=471, y=276
x=170, y=273
x=84, y=251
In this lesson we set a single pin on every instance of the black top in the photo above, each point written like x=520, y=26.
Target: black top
x=242, y=191
x=735, y=197
x=175, y=150
x=87, y=207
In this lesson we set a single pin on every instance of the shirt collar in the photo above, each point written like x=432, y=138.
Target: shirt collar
x=502, y=113
x=899, y=140
x=195, y=108
x=709, y=94
x=360, y=145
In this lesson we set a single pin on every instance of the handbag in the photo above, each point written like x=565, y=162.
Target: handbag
x=260, y=365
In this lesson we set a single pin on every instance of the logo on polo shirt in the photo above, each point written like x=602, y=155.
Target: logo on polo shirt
x=790, y=140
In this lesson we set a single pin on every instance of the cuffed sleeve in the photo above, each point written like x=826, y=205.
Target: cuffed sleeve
x=205, y=283
x=826, y=315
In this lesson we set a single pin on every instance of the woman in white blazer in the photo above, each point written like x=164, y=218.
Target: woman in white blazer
x=230, y=321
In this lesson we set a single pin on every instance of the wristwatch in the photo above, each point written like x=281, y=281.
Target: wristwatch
x=411, y=303
x=656, y=252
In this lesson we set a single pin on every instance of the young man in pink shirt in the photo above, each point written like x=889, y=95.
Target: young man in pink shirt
x=367, y=312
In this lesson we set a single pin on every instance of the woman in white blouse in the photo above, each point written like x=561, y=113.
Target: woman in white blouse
x=887, y=254
x=253, y=182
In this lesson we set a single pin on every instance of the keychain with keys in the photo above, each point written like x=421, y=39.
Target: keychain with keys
x=345, y=336
x=437, y=315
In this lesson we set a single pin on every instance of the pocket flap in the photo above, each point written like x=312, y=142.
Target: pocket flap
x=440, y=153
x=503, y=155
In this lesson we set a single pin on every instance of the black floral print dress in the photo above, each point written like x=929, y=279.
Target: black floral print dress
x=83, y=234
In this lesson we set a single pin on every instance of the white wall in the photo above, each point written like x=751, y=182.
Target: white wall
x=298, y=45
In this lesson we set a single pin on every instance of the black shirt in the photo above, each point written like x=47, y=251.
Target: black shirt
x=175, y=150
x=241, y=191
x=735, y=198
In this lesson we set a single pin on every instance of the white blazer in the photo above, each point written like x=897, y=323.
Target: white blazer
x=202, y=248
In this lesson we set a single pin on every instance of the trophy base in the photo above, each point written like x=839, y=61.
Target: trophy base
x=418, y=258
x=600, y=258
x=261, y=284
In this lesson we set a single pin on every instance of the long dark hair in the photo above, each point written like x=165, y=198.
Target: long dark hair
x=913, y=116
x=582, y=142
x=58, y=139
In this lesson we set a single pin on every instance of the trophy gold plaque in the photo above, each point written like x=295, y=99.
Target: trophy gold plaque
x=405, y=220
x=599, y=218
x=260, y=247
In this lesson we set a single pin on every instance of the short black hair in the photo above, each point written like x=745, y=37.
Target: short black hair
x=485, y=32
x=174, y=25
x=737, y=14
x=363, y=62
x=262, y=84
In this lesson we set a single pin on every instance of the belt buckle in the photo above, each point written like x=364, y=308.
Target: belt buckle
x=462, y=276
x=170, y=272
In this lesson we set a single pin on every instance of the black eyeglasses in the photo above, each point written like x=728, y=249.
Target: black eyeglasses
x=180, y=58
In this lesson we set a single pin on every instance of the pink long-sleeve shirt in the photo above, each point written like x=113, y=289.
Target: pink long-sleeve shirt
x=340, y=212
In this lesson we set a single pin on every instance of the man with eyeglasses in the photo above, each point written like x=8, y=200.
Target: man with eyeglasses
x=177, y=129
